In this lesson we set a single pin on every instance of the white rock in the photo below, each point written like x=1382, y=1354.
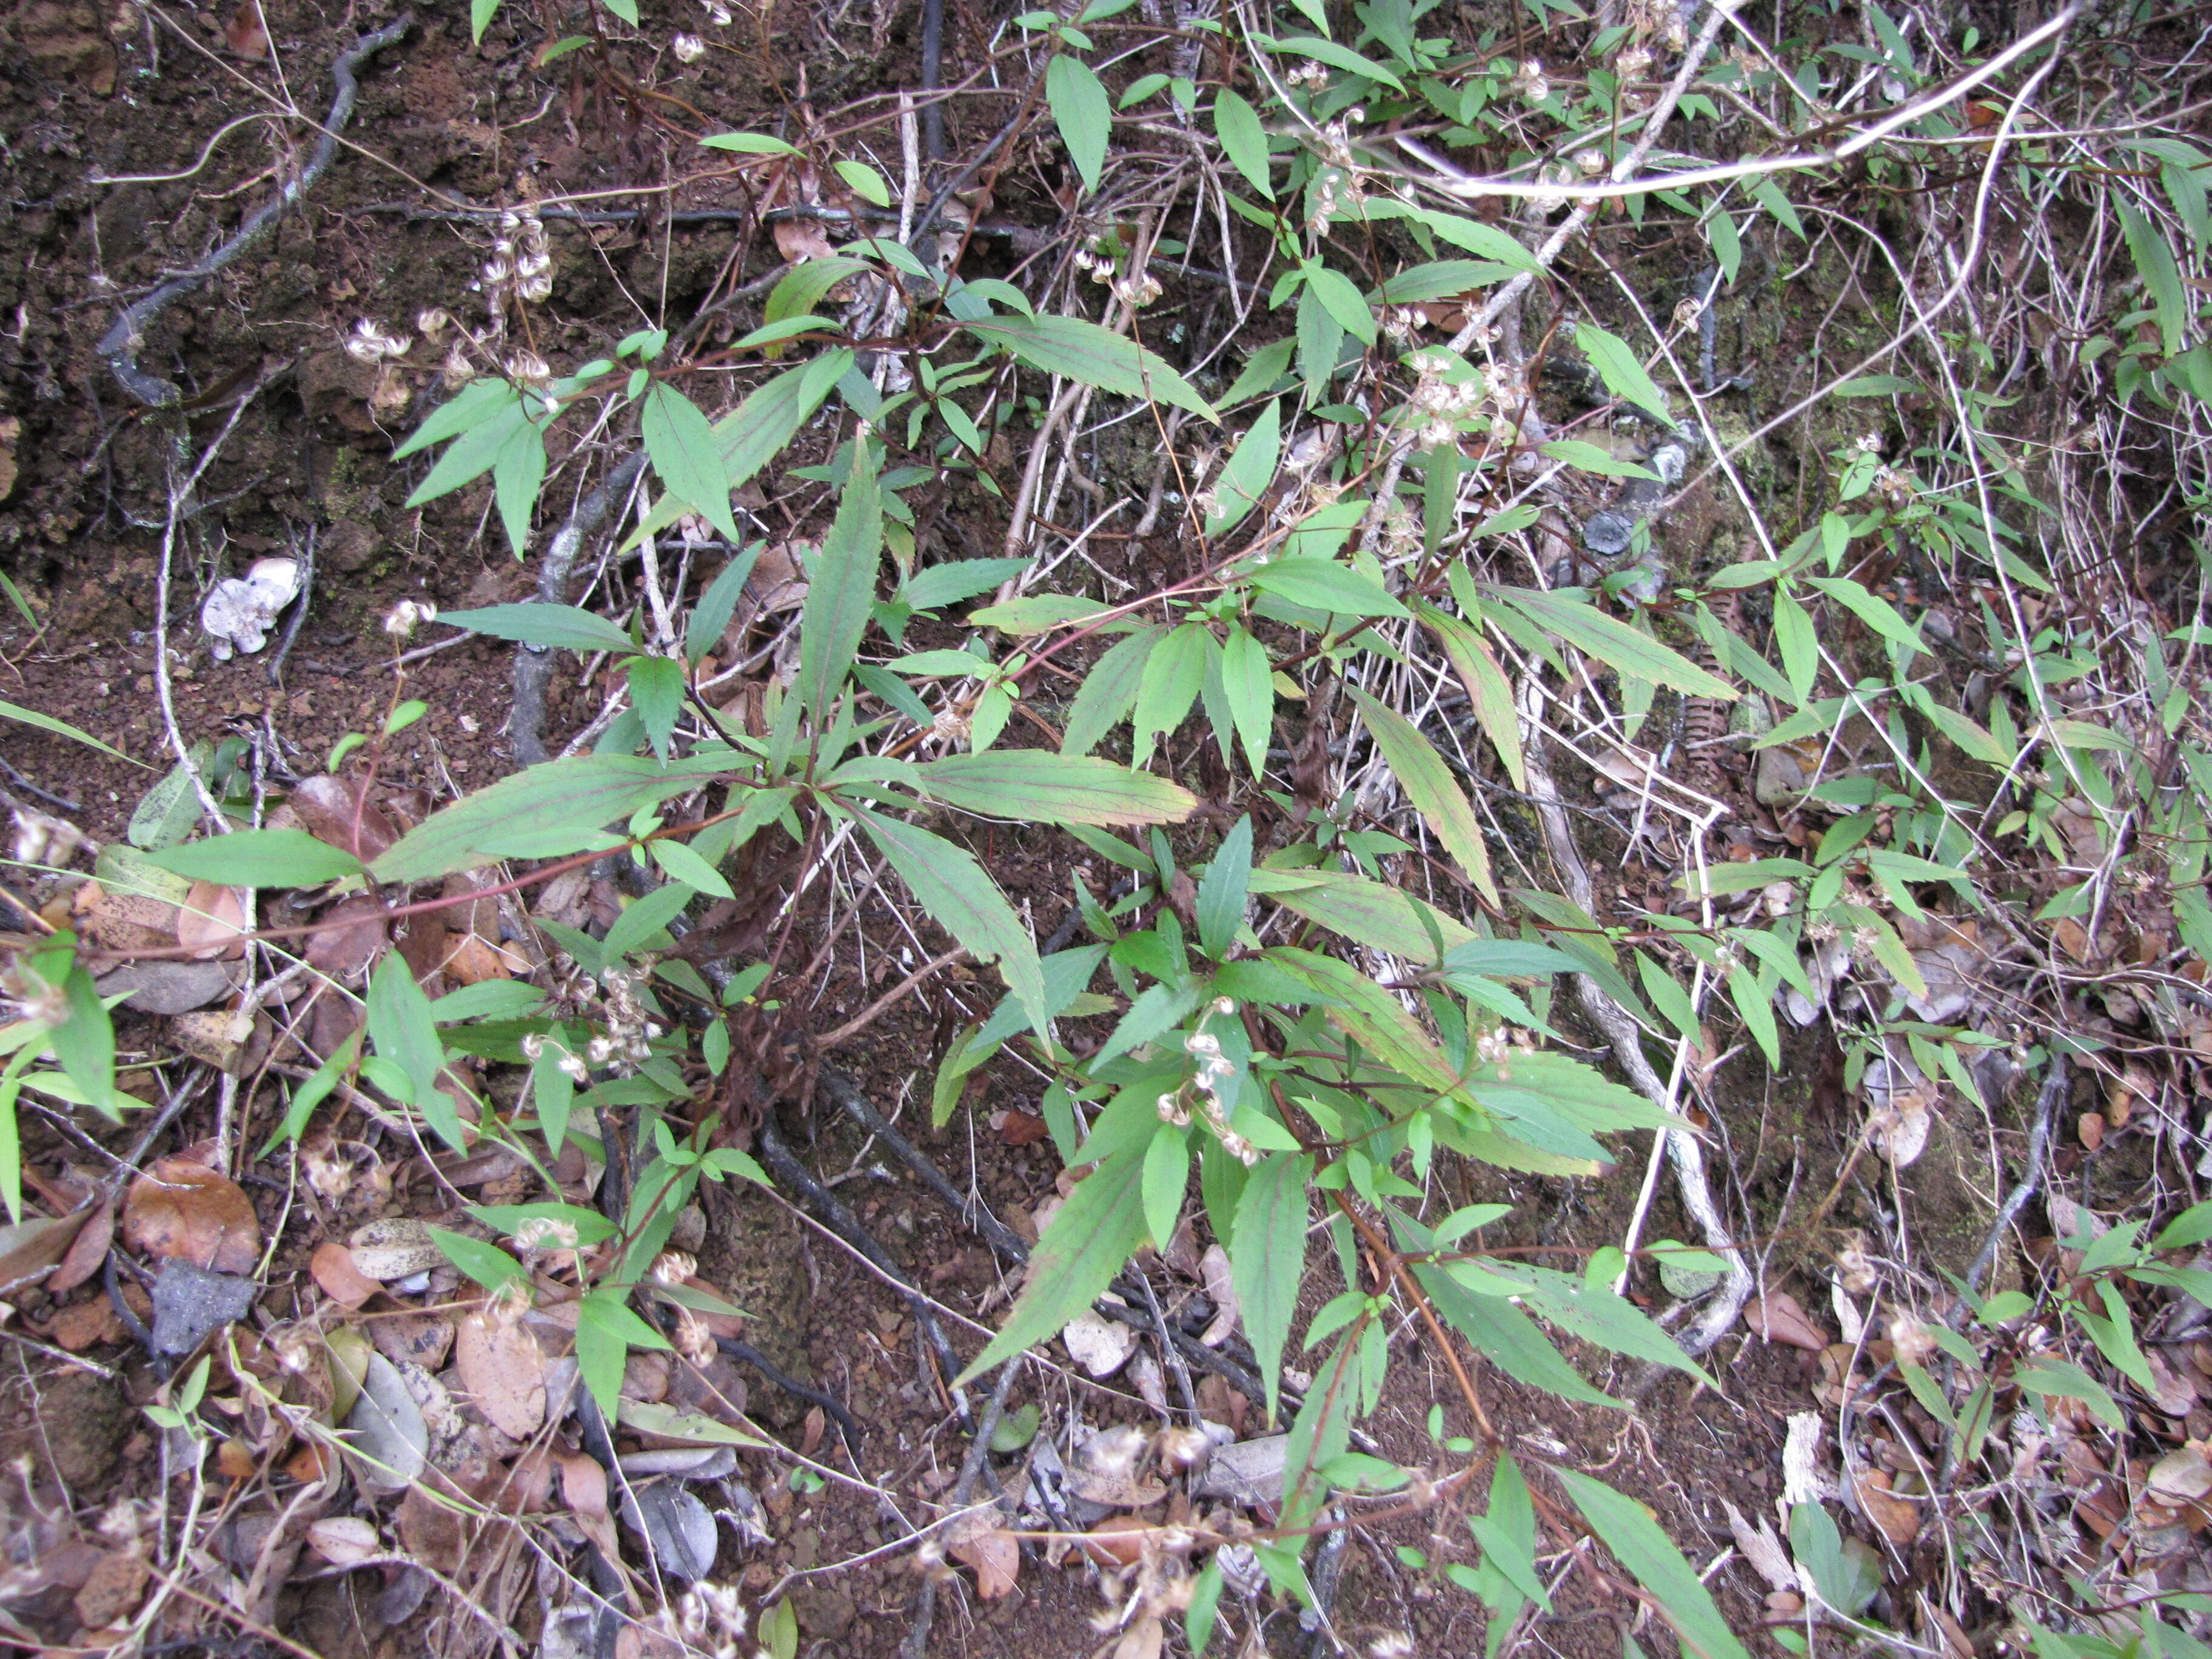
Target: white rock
x=238, y=613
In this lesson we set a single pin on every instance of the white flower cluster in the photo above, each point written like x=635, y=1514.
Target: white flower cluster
x=522, y=265
x=1530, y=83
x=1214, y=1069
x=1336, y=188
x=688, y=48
x=534, y=1044
x=370, y=343
x=546, y=1232
x=1438, y=406
x=630, y=1034
x=1309, y=75
x=408, y=615
x=708, y=1619
x=1137, y=292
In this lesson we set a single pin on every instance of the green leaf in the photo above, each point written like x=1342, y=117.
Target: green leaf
x=1054, y=788
x=1249, y=470
x=579, y=792
x=606, y=1330
x=1171, y=685
x=963, y=901
x=490, y=1265
x=481, y=12
x=1441, y=279
x=1248, y=680
x=865, y=182
x=754, y=433
x=1087, y=1241
x=2161, y=275
x=656, y=691
x=1871, y=609
x=1267, y=1260
x=1365, y=911
x=1476, y=237
x=963, y=578
x=710, y=617
x=1620, y=369
x=1327, y=52
x=1430, y=785
x=1678, y=1594
x=259, y=858
x=1613, y=642
x=806, y=284
x=516, y=477
x=472, y=454
x=1340, y=297
x=559, y=626
x=1325, y=585
x=1220, y=907
x=683, y=864
x=84, y=1042
x=507, y=1219
x=749, y=144
x=1083, y=351
x=643, y=918
x=475, y=404
x=1108, y=691
x=61, y=728
x=1590, y=459
x=403, y=1030
x=1875, y=385
x=312, y=1093
x=1244, y=140
x=1167, y=1178
x=684, y=452
x=1488, y=691
x=842, y=595
x=1083, y=112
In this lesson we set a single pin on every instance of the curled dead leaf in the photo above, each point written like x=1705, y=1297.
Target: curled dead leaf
x=210, y=921
x=343, y=1282
x=332, y=810
x=1777, y=1318
x=503, y=1369
x=996, y=1557
x=348, y=938
x=187, y=1211
x=344, y=1540
x=1897, y=1517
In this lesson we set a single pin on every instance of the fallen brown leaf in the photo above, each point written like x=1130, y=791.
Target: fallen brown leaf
x=331, y=809
x=245, y=35
x=997, y=1558
x=1899, y=1520
x=348, y=939
x=211, y=920
x=1777, y=1318
x=188, y=1212
x=503, y=1369
x=343, y=1282
x=114, y=1590
x=88, y=1253
x=84, y=1325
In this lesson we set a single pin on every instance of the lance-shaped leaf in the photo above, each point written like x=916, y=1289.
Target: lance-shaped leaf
x=583, y=791
x=1108, y=691
x=259, y=858
x=754, y=433
x=1487, y=689
x=1620, y=369
x=963, y=901
x=1384, y=917
x=1036, y=783
x=1083, y=352
x=555, y=625
x=843, y=592
x=1250, y=468
x=1612, y=643
x=1371, y=1016
x=1244, y=140
x=1637, y=1542
x=61, y=728
x=516, y=477
x=688, y=456
x=1428, y=783
x=1267, y=1258
x=1093, y=1235
x=1082, y=111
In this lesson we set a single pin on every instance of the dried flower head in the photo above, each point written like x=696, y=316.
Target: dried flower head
x=403, y=617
